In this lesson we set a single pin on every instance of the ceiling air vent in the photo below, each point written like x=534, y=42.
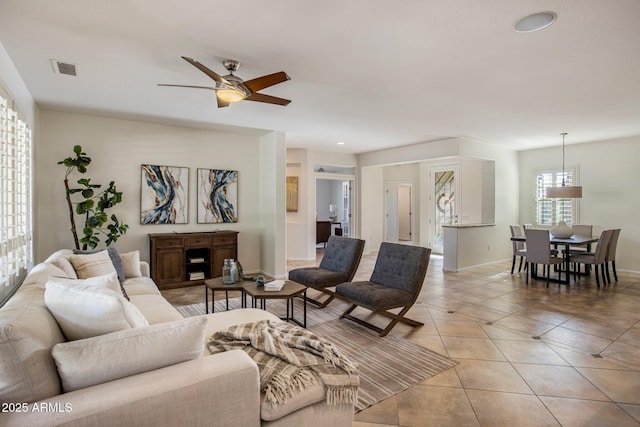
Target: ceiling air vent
x=66, y=68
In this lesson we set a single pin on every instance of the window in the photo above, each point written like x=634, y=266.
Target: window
x=551, y=211
x=16, y=253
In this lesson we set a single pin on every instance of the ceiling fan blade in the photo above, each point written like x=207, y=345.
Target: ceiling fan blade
x=194, y=87
x=259, y=83
x=222, y=103
x=260, y=97
x=215, y=76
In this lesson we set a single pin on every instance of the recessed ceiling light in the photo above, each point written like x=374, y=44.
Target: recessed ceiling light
x=340, y=143
x=535, y=22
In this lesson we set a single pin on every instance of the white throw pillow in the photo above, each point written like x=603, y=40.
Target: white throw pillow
x=91, y=265
x=121, y=354
x=108, y=281
x=86, y=311
x=131, y=264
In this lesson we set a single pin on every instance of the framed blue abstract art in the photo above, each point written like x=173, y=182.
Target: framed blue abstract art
x=217, y=196
x=163, y=195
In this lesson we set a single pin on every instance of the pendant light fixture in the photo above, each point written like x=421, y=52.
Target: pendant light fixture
x=562, y=230
x=564, y=191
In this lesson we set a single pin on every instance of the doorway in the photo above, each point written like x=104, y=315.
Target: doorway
x=443, y=203
x=398, y=211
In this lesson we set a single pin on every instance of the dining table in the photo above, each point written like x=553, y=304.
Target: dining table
x=567, y=242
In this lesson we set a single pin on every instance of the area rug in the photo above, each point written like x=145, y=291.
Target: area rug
x=388, y=365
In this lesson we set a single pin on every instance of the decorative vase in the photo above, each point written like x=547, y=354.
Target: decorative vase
x=562, y=231
x=227, y=278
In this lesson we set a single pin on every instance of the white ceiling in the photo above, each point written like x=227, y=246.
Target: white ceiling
x=370, y=73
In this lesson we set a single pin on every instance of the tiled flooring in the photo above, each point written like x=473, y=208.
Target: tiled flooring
x=525, y=352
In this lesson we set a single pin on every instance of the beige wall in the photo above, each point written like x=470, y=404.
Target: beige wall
x=609, y=173
x=118, y=148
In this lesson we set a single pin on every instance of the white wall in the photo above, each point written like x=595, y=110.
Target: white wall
x=297, y=229
x=495, y=244
x=272, y=208
x=372, y=207
x=609, y=173
x=117, y=149
x=302, y=227
x=11, y=81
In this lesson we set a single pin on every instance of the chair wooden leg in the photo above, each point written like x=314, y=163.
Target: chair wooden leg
x=322, y=304
x=613, y=267
x=520, y=265
x=597, y=276
x=513, y=264
x=603, y=269
x=606, y=267
x=528, y=271
x=395, y=318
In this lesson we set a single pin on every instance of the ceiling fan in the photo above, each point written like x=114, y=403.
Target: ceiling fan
x=231, y=88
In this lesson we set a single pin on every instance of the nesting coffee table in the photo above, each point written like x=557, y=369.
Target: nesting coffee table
x=289, y=291
x=216, y=284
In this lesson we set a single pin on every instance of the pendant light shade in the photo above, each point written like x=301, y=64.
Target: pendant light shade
x=564, y=191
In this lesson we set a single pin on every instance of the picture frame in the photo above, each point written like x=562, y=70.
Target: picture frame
x=217, y=196
x=164, y=192
x=292, y=194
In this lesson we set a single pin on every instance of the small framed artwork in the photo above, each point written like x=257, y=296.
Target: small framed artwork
x=292, y=194
x=163, y=194
x=217, y=196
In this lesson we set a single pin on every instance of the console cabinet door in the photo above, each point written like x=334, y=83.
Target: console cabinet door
x=169, y=266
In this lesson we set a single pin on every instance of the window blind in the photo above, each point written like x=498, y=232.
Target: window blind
x=16, y=249
x=551, y=211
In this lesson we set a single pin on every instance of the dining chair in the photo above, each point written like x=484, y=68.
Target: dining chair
x=518, y=247
x=581, y=230
x=598, y=258
x=539, y=252
x=611, y=254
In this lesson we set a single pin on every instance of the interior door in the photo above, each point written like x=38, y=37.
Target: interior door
x=404, y=212
x=443, y=201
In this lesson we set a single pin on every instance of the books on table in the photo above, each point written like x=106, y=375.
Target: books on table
x=274, y=285
x=196, y=275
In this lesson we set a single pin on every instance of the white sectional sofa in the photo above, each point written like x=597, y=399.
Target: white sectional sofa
x=205, y=390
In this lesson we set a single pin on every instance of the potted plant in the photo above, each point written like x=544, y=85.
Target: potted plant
x=91, y=204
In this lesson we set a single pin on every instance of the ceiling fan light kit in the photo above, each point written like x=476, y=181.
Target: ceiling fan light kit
x=232, y=88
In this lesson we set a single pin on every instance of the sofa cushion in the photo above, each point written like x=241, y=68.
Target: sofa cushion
x=108, y=281
x=113, y=254
x=131, y=264
x=155, y=308
x=91, y=265
x=65, y=265
x=91, y=361
x=312, y=394
x=140, y=286
x=28, y=331
x=86, y=311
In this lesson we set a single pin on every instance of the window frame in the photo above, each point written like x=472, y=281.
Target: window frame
x=556, y=205
x=16, y=197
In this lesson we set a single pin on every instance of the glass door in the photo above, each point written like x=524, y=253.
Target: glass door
x=443, y=200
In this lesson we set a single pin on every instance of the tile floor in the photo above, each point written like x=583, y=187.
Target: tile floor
x=528, y=355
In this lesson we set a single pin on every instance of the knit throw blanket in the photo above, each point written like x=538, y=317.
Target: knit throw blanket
x=290, y=359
